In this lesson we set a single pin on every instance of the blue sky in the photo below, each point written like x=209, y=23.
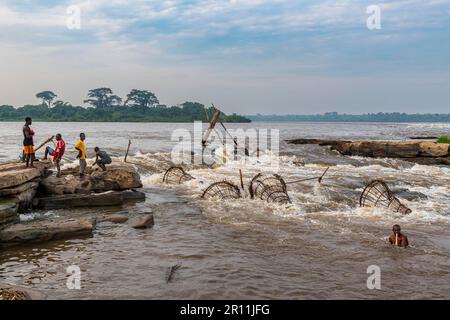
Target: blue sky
x=247, y=56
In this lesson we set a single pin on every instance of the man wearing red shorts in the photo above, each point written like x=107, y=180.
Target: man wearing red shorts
x=57, y=153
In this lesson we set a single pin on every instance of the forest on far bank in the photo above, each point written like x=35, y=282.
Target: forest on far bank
x=105, y=106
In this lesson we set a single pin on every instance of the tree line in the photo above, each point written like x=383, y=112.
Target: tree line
x=105, y=106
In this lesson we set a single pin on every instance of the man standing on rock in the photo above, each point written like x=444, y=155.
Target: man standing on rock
x=81, y=147
x=28, y=142
x=57, y=153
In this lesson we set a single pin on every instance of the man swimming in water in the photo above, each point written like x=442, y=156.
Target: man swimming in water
x=398, y=238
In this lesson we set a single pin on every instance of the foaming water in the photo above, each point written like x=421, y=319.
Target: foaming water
x=318, y=246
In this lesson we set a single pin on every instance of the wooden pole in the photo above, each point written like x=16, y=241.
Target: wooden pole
x=212, y=125
x=44, y=143
x=242, y=179
x=128, y=150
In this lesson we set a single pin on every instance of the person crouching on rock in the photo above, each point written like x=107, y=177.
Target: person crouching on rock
x=398, y=238
x=81, y=147
x=102, y=158
x=57, y=153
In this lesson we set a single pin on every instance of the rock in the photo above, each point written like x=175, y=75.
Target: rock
x=111, y=198
x=415, y=151
x=14, y=174
x=117, y=177
x=8, y=213
x=114, y=218
x=26, y=293
x=132, y=195
x=19, y=189
x=143, y=221
x=124, y=175
x=39, y=231
x=435, y=150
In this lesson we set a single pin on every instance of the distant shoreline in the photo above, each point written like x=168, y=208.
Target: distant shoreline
x=394, y=117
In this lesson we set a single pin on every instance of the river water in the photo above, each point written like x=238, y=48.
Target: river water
x=318, y=247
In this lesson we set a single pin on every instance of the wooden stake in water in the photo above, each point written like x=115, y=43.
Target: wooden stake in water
x=242, y=179
x=128, y=150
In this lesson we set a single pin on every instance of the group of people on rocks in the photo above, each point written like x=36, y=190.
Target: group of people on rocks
x=102, y=157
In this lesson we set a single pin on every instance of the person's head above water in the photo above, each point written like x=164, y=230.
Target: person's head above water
x=58, y=136
x=96, y=149
x=28, y=120
x=396, y=229
x=82, y=136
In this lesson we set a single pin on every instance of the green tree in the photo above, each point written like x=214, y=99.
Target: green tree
x=47, y=97
x=141, y=99
x=102, y=98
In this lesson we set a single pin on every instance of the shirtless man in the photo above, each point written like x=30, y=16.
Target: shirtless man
x=28, y=142
x=398, y=238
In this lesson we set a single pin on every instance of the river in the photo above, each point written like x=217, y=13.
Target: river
x=318, y=247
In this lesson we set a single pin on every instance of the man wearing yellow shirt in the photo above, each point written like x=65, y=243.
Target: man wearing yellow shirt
x=81, y=147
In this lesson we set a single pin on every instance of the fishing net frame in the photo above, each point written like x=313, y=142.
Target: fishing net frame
x=269, y=188
x=176, y=175
x=223, y=190
x=377, y=194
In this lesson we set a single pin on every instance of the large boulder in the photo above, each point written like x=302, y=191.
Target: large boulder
x=45, y=230
x=117, y=177
x=124, y=175
x=110, y=198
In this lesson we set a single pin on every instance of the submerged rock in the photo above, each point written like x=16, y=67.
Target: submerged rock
x=39, y=231
x=143, y=221
x=114, y=218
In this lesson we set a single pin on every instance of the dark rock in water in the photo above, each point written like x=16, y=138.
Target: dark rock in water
x=111, y=198
x=423, y=138
x=39, y=231
x=132, y=195
x=114, y=218
x=143, y=221
x=409, y=195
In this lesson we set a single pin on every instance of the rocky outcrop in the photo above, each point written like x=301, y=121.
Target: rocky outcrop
x=45, y=230
x=416, y=151
x=19, y=184
x=8, y=214
x=22, y=188
x=117, y=177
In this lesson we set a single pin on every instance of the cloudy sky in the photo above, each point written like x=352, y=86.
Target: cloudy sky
x=246, y=56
